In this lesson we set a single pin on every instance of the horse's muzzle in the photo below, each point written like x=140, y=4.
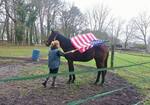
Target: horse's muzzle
x=47, y=44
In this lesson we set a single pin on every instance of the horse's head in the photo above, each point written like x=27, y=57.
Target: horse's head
x=51, y=38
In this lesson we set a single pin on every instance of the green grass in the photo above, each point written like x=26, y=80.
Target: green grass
x=138, y=75
x=21, y=51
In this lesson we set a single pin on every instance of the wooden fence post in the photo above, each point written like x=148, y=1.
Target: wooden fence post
x=112, y=56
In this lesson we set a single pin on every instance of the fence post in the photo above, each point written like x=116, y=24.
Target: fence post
x=112, y=56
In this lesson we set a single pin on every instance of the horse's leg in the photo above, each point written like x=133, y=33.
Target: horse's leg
x=71, y=69
x=99, y=64
x=105, y=71
x=70, y=78
x=98, y=76
x=74, y=77
x=103, y=77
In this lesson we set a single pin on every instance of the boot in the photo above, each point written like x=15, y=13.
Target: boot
x=44, y=84
x=53, y=83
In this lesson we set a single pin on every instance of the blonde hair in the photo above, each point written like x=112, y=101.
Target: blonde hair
x=55, y=44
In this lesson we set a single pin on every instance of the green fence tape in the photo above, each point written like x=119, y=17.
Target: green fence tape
x=68, y=73
x=139, y=76
x=130, y=61
x=94, y=97
x=139, y=55
x=141, y=102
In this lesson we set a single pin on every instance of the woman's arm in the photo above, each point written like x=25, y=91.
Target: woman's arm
x=60, y=53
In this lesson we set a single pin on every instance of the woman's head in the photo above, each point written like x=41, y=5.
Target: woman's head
x=55, y=44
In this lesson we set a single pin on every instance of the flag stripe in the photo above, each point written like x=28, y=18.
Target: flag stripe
x=89, y=37
x=79, y=42
x=86, y=38
x=93, y=36
x=74, y=43
x=83, y=41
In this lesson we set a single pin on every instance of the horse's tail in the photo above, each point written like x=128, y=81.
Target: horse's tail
x=106, y=59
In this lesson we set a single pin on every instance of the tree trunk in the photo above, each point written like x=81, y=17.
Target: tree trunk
x=7, y=29
x=11, y=32
x=125, y=45
x=145, y=43
x=42, y=29
x=15, y=29
x=27, y=36
x=3, y=31
x=31, y=33
x=48, y=25
x=7, y=21
x=35, y=32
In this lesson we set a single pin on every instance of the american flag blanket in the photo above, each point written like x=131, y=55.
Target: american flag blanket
x=85, y=41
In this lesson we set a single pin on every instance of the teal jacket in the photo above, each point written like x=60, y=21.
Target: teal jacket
x=54, y=58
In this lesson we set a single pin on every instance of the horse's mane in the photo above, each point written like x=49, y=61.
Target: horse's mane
x=62, y=37
x=66, y=41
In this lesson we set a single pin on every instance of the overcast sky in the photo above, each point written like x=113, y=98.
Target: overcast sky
x=124, y=9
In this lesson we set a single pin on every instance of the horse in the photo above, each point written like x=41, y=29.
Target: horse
x=99, y=53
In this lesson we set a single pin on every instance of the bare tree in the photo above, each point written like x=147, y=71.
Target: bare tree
x=98, y=18
x=149, y=44
x=41, y=14
x=2, y=30
x=142, y=23
x=72, y=21
x=48, y=11
x=115, y=30
x=1, y=10
x=2, y=20
x=1, y=2
x=10, y=9
x=7, y=21
x=53, y=8
x=129, y=33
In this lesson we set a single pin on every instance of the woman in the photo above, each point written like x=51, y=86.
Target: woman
x=53, y=61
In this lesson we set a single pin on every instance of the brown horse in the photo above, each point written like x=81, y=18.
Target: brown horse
x=99, y=53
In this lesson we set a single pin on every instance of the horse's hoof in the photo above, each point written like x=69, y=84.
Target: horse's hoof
x=68, y=82
x=72, y=81
x=101, y=85
x=95, y=83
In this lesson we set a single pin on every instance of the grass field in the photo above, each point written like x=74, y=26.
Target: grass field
x=21, y=51
x=138, y=75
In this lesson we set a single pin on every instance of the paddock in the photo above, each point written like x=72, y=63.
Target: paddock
x=126, y=84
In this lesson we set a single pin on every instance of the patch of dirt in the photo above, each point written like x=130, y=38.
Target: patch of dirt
x=31, y=92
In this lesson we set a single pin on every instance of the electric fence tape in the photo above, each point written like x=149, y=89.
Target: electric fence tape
x=94, y=97
x=68, y=73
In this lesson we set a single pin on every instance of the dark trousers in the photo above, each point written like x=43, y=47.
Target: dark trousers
x=51, y=71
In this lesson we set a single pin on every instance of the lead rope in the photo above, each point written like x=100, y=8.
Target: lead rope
x=72, y=51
